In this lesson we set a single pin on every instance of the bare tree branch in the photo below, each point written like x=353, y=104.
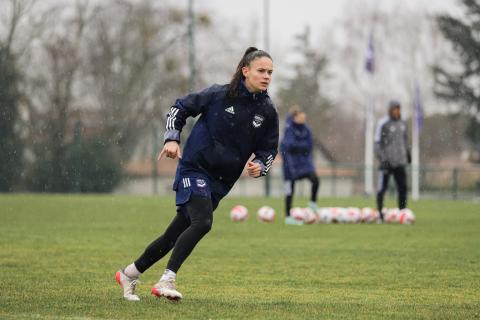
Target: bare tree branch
x=18, y=9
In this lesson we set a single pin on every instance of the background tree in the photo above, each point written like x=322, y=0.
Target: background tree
x=101, y=75
x=304, y=87
x=132, y=54
x=462, y=85
x=407, y=43
x=52, y=96
x=11, y=148
x=10, y=144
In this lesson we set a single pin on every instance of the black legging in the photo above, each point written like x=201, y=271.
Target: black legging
x=192, y=221
x=400, y=177
x=291, y=190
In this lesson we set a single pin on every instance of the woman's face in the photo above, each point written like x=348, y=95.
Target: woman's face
x=258, y=74
x=300, y=118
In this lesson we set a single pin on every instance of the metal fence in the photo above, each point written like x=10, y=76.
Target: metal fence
x=337, y=180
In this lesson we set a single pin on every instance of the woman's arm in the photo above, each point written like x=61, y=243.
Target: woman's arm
x=267, y=148
x=188, y=106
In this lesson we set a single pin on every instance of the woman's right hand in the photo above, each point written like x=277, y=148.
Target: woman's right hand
x=171, y=149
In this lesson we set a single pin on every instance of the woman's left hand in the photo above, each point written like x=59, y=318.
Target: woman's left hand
x=254, y=169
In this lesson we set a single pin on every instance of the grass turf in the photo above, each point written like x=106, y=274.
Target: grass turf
x=58, y=256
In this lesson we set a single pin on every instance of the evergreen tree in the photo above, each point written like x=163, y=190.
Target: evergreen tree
x=462, y=86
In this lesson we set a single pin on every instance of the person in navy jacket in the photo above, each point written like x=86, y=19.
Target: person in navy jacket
x=236, y=120
x=296, y=148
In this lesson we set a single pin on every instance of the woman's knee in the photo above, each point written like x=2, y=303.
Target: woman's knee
x=312, y=176
x=203, y=225
x=201, y=215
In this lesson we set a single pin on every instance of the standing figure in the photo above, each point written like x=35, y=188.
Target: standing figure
x=236, y=120
x=296, y=148
x=393, y=153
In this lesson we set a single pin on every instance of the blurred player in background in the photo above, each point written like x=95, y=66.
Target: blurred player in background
x=393, y=153
x=237, y=120
x=296, y=148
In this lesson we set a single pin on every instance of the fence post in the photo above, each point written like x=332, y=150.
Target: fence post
x=77, y=140
x=154, y=159
x=334, y=179
x=455, y=183
x=268, y=186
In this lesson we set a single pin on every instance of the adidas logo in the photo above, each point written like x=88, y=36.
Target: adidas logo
x=230, y=110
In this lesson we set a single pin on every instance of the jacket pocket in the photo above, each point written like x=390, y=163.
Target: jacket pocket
x=221, y=162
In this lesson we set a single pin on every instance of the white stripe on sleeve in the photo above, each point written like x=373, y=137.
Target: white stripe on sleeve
x=172, y=116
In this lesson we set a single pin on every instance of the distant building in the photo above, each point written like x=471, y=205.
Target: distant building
x=145, y=175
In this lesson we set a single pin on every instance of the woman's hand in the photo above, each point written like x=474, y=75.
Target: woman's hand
x=171, y=149
x=254, y=169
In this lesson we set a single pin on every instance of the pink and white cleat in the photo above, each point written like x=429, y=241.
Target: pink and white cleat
x=128, y=284
x=167, y=289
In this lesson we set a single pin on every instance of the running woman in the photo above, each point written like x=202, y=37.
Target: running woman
x=296, y=148
x=236, y=120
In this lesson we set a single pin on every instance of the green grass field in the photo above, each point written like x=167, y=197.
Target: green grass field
x=58, y=256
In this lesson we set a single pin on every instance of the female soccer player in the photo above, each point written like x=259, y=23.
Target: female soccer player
x=296, y=148
x=236, y=120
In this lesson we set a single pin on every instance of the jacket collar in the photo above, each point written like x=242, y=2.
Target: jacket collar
x=243, y=92
x=298, y=126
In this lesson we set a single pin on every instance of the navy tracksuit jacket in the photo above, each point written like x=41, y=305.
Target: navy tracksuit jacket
x=296, y=148
x=228, y=131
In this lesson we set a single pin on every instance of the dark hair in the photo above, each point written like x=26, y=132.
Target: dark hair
x=294, y=110
x=251, y=54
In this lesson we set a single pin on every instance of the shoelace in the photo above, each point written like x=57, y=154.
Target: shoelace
x=132, y=285
x=170, y=284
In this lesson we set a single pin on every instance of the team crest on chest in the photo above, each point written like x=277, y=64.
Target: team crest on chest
x=257, y=121
x=201, y=183
x=230, y=110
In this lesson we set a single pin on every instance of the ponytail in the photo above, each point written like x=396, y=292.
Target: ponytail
x=250, y=54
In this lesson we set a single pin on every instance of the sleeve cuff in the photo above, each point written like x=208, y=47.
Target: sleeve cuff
x=171, y=135
x=264, y=168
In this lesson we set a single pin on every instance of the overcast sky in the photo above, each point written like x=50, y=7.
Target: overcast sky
x=289, y=17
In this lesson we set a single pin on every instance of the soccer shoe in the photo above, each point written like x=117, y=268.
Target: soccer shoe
x=167, y=289
x=128, y=284
x=312, y=205
x=381, y=218
x=292, y=221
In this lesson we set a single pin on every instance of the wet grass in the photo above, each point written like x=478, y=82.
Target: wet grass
x=58, y=256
